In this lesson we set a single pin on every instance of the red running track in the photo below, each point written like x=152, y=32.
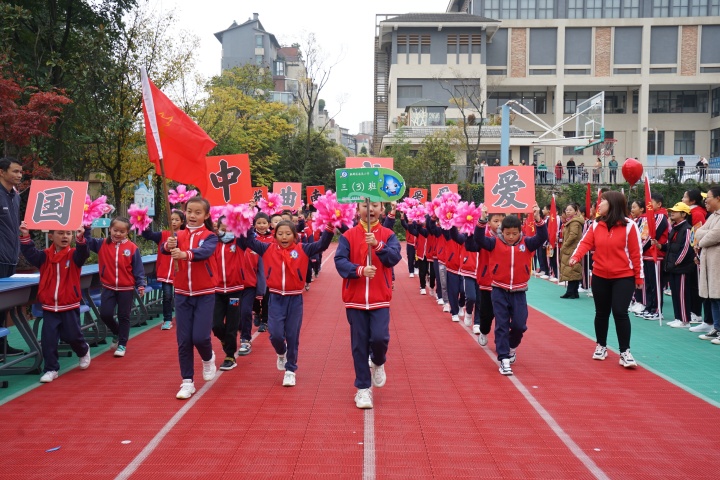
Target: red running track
x=445, y=411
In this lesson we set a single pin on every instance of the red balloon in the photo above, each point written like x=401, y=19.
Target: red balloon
x=632, y=170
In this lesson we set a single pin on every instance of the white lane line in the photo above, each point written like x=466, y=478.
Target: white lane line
x=548, y=418
x=369, y=445
x=152, y=445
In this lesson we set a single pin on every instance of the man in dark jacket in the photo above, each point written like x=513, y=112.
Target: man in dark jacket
x=10, y=176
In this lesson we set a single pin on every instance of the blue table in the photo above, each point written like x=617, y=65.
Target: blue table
x=15, y=292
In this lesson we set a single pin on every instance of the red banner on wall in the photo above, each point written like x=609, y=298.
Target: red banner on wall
x=290, y=194
x=509, y=189
x=55, y=205
x=437, y=189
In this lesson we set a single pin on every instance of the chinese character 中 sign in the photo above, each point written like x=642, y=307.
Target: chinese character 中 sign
x=228, y=179
x=55, y=205
x=377, y=184
x=509, y=189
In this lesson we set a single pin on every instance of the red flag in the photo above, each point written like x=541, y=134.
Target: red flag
x=588, y=201
x=174, y=137
x=650, y=214
x=552, y=224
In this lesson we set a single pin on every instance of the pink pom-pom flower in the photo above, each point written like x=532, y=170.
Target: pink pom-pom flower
x=270, y=205
x=139, y=219
x=466, y=217
x=416, y=214
x=218, y=211
x=239, y=219
x=407, y=204
x=331, y=212
x=94, y=209
x=446, y=214
x=180, y=194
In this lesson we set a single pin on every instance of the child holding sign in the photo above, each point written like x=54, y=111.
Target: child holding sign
x=59, y=294
x=367, y=291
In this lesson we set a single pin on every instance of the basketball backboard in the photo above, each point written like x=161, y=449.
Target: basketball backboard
x=590, y=120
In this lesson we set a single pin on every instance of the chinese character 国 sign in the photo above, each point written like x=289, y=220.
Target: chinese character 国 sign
x=55, y=205
x=228, y=179
x=377, y=184
x=509, y=189
x=289, y=193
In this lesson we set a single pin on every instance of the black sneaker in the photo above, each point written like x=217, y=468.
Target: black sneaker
x=256, y=319
x=228, y=364
x=262, y=327
x=712, y=334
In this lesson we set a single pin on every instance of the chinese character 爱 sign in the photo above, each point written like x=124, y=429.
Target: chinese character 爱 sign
x=437, y=189
x=289, y=193
x=368, y=162
x=377, y=184
x=55, y=205
x=509, y=189
x=313, y=193
x=228, y=179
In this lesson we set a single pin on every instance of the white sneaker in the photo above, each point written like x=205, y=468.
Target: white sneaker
x=680, y=324
x=423, y=291
x=209, y=369
x=674, y=322
x=590, y=294
x=455, y=318
x=553, y=279
x=695, y=318
x=289, y=379
x=711, y=335
x=513, y=356
x=378, y=374
x=446, y=307
x=505, y=368
x=441, y=301
x=468, y=320
x=544, y=276
x=637, y=307
x=461, y=312
x=281, y=362
x=85, y=360
x=49, y=376
x=600, y=352
x=187, y=388
x=412, y=275
x=482, y=339
x=476, y=329
x=582, y=290
x=120, y=352
x=627, y=360
x=416, y=272
x=667, y=292
x=715, y=341
x=702, y=328
x=363, y=398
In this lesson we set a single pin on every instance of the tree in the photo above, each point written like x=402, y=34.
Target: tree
x=436, y=158
x=363, y=151
x=326, y=157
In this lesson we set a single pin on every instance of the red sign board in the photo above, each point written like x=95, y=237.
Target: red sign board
x=55, y=205
x=258, y=193
x=290, y=194
x=509, y=189
x=312, y=193
x=437, y=189
x=228, y=179
x=419, y=194
x=368, y=162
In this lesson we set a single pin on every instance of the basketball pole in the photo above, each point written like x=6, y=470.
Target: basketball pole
x=505, y=136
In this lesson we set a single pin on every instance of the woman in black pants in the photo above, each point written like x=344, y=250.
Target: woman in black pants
x=617, y=270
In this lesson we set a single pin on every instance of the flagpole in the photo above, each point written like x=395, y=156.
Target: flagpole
x=367, y=206
x=659, y=291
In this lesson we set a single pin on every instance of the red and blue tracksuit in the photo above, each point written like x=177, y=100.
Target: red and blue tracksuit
x=121, y=272
x=165, y=271
x=260, y=305
x=410, y=242
x=230, y=259
x=253, y=293
x=195, y=282
x=59, y=295
x=367, y=300
x=285, y=270
x=510, y=267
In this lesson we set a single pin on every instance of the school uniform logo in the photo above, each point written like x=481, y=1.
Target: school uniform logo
x=294, y=254
x=126, y=253
x=522, y=248
x=232, y=248
x=201, y=243
x=67, y=264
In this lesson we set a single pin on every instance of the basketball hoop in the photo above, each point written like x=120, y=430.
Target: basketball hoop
x=606, y=148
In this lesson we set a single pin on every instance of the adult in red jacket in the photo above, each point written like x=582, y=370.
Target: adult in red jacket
x=367, y=291
x=617, y=270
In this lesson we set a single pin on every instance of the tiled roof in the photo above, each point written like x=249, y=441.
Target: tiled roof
x=439, y=18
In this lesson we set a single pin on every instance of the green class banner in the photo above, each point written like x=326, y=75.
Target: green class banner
x=377, y=184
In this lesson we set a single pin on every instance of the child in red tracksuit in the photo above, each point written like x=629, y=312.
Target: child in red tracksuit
x=59, y=295
x=264, y=233
x=164, y=265
x=195, y=282
x=510, y=256
x=285, y=262
x=121, y=272
x=410, y=243
x=367, y=291
x=229, y=258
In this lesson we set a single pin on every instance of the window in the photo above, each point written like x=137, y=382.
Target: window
x=424, y=43
x=714, y=7
x=279, y=68
x=508, y=9
x=259, y=59
x=527, y=9
x=573, y=98
x=410, y=91
x=259, y=41
x=679, y=101
x=593, y=8
x=615, y=102
x=571, y=150
x=462, y=44
x=413, y=43
x=631, y=8
x=715, y=143
x=636, y=101
x=684, y=142
x=492, y=8
x=660, y=143
x=715, y=112
x=536, y=102
x=546, y=9
x=699, y=8
x=661, y=8
x=402, y=44
x=575, y=8
x=680, y=8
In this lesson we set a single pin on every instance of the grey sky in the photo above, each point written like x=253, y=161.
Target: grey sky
x=345, y=31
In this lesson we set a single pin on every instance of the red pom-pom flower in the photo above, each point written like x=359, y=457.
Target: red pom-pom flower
x=180, y=194
x=139, y=219
x=270, y=205
x=331, y=212
x=94, y=209
x=239, y=219
x=466, y=217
